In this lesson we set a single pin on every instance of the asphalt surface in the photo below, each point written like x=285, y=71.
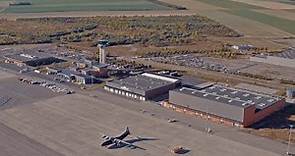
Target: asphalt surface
x=21, y=93
x=72, y=125
x=13, y=143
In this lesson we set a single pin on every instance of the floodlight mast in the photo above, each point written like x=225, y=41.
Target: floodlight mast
x=289, y=140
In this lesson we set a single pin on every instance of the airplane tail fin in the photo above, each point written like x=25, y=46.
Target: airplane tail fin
x=127, y=130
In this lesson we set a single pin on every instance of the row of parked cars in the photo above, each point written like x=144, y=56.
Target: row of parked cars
x=52, y=86
x=190, y=60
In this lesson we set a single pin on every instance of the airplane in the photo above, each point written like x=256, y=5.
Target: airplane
x=118, y=141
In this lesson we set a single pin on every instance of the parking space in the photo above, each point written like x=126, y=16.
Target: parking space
x=198, y=61
x=5, y=75
x=20, y=93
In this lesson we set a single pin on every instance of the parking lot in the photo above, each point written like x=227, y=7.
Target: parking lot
x=198, y=61
x=15, y=144
x=20, y=93
x=5, y=75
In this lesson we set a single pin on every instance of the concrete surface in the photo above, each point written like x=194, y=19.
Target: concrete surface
x=15, y=144
x=72, y=125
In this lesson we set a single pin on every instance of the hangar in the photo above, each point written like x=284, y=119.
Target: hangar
x=142, y=87
x=33, y=59
x=224, y=104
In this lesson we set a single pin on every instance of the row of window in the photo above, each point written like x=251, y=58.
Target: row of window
x=124, y=93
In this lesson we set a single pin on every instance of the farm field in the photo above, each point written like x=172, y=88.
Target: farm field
x=248, y=27
x=241, y=16
x=39, y=6
x=277, y=22
x=277, y=5
x=286, y=1
x=285, y=14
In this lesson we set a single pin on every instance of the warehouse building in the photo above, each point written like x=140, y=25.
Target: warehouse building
x=225, y=105
x=76, y=77
x=33, y=59
x=142, y=87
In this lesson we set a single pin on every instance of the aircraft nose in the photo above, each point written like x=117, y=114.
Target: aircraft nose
x=103, y=144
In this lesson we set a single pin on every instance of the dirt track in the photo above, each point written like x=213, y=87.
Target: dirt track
x=98, y=13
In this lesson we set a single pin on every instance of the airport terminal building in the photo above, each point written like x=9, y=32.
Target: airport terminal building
x=224, y=105
x=142, y=87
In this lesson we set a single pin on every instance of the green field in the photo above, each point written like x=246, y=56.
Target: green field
x=277, y=22
x=244, y=10
x=39, y=6
x=228, y=4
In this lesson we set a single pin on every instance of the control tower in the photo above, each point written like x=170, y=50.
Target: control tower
x=102, y=53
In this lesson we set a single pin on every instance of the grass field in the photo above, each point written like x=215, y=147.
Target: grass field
x=285, y=14
x=253, y=11
x=228, y=4
x=39, y=6
x=270, y=4
x=277, y=22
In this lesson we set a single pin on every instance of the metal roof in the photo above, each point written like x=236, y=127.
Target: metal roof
x=141, y=83
x=28, y=56
x=232, y=96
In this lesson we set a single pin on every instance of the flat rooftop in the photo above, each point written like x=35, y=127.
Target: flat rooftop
x=232, y=96
x=143, y=82
x=28, y=56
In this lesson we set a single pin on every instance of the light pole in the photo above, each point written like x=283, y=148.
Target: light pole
x=208, y=129
x=289, y=140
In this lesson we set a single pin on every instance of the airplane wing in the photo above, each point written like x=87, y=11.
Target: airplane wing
x=106, y=142
x=112, y=146
x=128, y=145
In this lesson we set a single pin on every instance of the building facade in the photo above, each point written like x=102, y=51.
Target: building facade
x=224, y=105
x=142, y=87
x=31, y=59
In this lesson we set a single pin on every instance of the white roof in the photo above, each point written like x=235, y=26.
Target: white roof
x=160, y=77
